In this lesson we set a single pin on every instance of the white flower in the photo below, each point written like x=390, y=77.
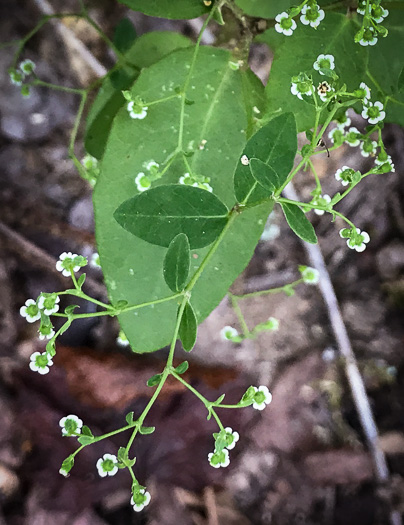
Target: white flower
x=311, y=16
x=219, y=459
x=262, y=397
x=140, y=500
x=343, y=122
x=228, y=332
x=285, y=24
x=30, y=311
x=203, y=186
x=364, y=92
x=186, y=179
x=122, y=340
x=244, y=160
x=272, y=324
x=143, y=182
x=136, y=111
x=378, y=13
x=301, y=88
x=48, y=303
x=63, y=472
x=353, y=137
x=344, y=175
x=107, y=465
x=361, y=7
x=368, y=148
x=27, y=66
x=383, y=158
x=336, y=135
x=68, y=262
x=373, y=112
x=231, y=437
x=151, y=164
x=322, y=89
x=322, y=200
x=324, y=62
x=71, y=425
x=95, y=260
x=356, y=240
x=40, y=362
x=310, y=275
x=16, y=77
x=46, y=332
x=369, y=37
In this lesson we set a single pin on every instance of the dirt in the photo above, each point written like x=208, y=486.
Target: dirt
x=304, y=459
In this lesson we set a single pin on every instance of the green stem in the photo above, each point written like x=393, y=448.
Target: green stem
x=57, y=87
x=239, y=313
x=270, y=291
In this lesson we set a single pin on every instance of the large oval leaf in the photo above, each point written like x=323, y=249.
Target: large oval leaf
x=160, y=214
x=132, y=267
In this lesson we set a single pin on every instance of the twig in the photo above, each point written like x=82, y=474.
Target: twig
x=354, y=377
x=71, y=40
x=36, y=256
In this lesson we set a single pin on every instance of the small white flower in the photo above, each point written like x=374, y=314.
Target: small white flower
x=323, y=89
x=343, y=122
x=140, y=500
x=30, y=311
x=186, y=179
x=48, y=303
x=95, y=260
x=71, y=425
x=203, y=186
x=143, y=182
x=378, y=13
x=373, y=112
x=361, y=7
x=46, y=332
x=69, y=260
x=369, y=37
x=324, y=62
x=272, y=324
x=136, y=111
x=301, y=88
x=40, y=362
x=262, y=397
x=245, y=160
x=107, y=465
x=364, y=92
x=322, y=200
x=358, y=242
x=219, y=459
x=231, y=437
x=336, y=135
x=344, y=175
x=353, y=137
x=382, y=159
x=16, y=77
x=122, y=340
x=311, y=16
x=368, y=148
x=151, y=164
x=285, y=24
x=63, y=472
x=27, y=66
x=310, y=275
x=228, y=332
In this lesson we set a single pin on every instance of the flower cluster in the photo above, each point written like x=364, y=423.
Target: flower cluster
x=225, y=440
x=18, y=76
x=356, y=239
x=310, y=15
x=372, y=18
x=144, y=180
x=198, y=181
x=321, y=200
x=69, y=263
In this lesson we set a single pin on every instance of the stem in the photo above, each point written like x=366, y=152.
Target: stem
x=56, y=87
x=239, y=313
x=270, y=291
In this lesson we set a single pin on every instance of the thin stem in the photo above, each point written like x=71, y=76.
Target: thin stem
x=57, y=87
x=318, y=183
x=270, y=291
x=239, y=313
x=77, y=121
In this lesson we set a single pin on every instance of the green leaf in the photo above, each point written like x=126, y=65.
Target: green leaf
x=122, y=454
x=182, y=368
x=85, y=440
x=275, y=144
x=177, y=263
x=188, y=328
x=154, y=380
x=264, y=8
x=85, y=431
x=161, y=213
x=296, y=54
x=147, y=49
x=219, y=399
x=177, y=10
x=124, y=35
x=81, y=280
x=146, y=430
x=70, y=309
x=132, y=267
x=265, y=175
x=299, y=223
x=254, y=99
x=129, y=417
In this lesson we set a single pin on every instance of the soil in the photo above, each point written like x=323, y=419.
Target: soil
x=304, y=459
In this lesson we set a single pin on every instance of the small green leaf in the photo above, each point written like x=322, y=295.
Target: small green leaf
x=183, y=367
x=67, y=464
x=218, y=17
x=81, y=280
x=219, y=399
x=124, y=35
x=85, y=431
x=122, y=454
x=299, y=223
x=85, y=440
x=154, y=380
x=147, y=430
x=265, y=175
x=161, y=213
x=188, y=328
x=121, y=304
x=177, y=263
x=70, y=309
x=129, y=417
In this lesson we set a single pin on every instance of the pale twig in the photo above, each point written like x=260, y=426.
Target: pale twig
x=353, y=374
x=71, y=40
